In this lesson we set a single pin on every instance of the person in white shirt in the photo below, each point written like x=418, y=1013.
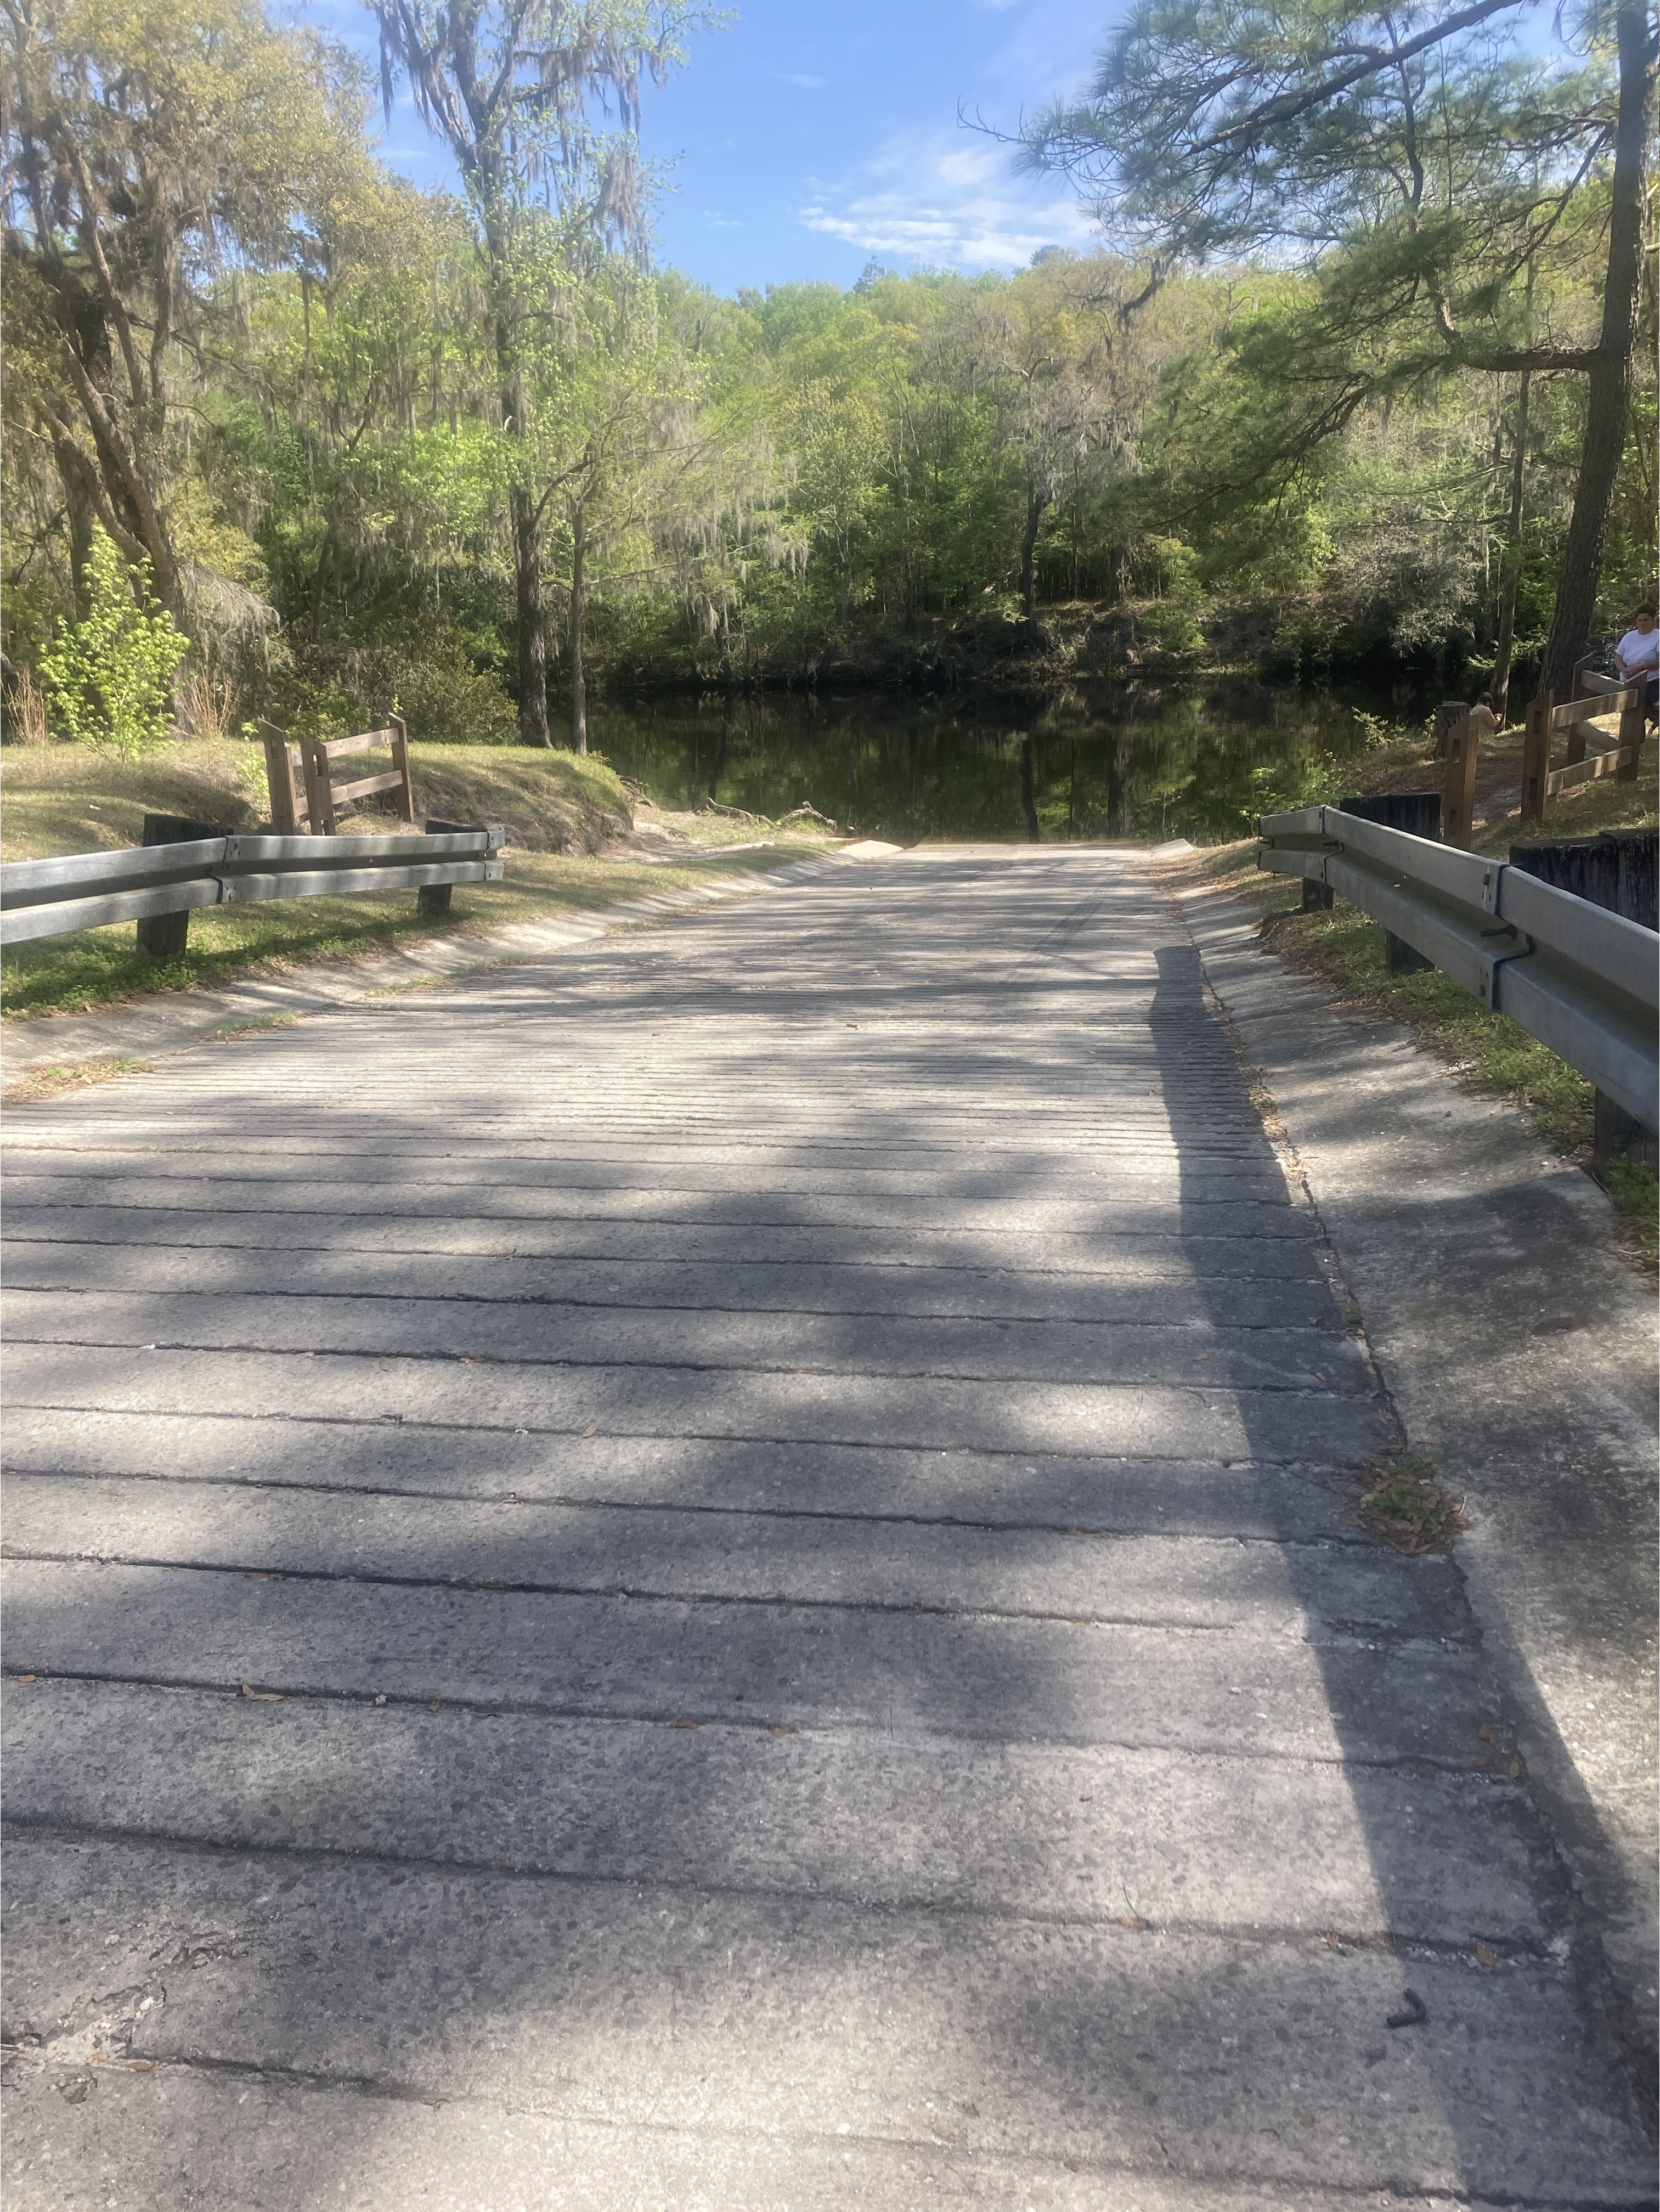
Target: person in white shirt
x=1638, y=653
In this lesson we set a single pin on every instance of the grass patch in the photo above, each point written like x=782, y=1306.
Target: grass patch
x=74, y=1075
x=227, y=1032
x=1411, y=1508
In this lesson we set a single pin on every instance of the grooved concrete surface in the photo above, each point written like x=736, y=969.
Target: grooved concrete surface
x=714, y=1572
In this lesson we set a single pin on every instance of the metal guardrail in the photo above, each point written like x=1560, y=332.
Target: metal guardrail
x=85, y=891
x=1584, y=982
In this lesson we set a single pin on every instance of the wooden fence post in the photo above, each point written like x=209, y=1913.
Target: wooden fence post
x=1448, y=716
x=319, y=791
x=1458, y=799
x=286, y=814
x=1536, y=756
x=400, y=761
x=1633, y=728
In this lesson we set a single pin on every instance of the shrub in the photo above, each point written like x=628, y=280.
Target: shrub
x=108, y=679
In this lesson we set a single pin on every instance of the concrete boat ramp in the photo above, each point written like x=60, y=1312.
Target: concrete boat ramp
x=718, y=1571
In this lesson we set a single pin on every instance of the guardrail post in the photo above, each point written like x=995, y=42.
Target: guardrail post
x=165, y=936
x=1458, y=797
x=1402, y=958
x=1536, y=756
x=1316, y=896
x=434, y=898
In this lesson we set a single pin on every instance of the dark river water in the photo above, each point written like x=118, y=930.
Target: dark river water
x=1091, y=763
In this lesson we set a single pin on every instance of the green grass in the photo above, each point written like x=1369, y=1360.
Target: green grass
x=1636, y=1195
x=1410, y=1508
x=560, y=813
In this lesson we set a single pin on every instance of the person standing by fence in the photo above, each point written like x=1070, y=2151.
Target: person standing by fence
x=1638, y=653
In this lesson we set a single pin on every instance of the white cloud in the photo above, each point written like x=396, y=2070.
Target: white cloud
x=806, y=83
x=936, y=200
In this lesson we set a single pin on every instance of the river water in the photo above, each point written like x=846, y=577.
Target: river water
x=1093, y=763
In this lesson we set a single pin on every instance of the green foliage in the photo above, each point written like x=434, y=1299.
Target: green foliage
x=109, y=678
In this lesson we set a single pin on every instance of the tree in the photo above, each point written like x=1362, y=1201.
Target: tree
x=513, y=88
x=1060, y=358
x=608, y=406
x=839, y=446
x=152, y=145
x=1423, y=169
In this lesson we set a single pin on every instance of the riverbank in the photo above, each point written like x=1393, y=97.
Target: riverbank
x=988, y=650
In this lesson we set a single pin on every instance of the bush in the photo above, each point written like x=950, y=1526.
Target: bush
x=429, y=678
x=108, y=679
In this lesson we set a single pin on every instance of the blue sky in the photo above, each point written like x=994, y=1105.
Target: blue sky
x=808, y=137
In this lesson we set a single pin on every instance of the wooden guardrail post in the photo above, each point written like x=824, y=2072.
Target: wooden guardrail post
x=1419, y=813
x=434, y=898
x=165, y=936
x=1458, y=797
x=1536, y=756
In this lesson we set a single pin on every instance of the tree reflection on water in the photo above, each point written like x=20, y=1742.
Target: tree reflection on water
x=1079, y=764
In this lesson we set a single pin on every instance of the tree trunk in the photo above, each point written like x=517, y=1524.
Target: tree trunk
x=1035, y=504
x=530, y=622
x=527, y=607
x=1510, y=569
x=1610, y=380
x=81, y=509
x=847, y=573
x=579, y=690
